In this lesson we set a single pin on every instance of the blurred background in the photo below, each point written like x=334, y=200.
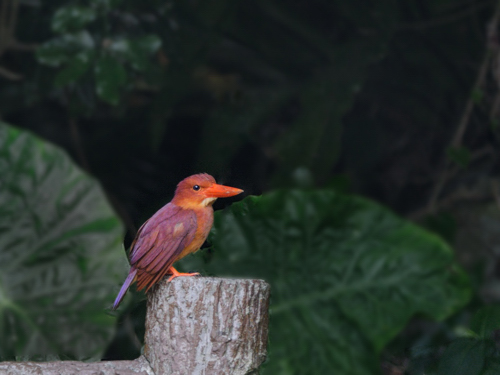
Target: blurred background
x=387, y=101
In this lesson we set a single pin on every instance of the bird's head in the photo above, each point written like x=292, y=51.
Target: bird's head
x=201, y=190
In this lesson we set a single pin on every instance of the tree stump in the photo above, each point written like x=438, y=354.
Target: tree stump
x=194, y=326
x=207, y=326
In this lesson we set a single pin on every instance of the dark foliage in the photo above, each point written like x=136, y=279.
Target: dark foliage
x=394, y=100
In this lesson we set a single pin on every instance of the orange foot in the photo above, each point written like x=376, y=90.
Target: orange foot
x=176, y=273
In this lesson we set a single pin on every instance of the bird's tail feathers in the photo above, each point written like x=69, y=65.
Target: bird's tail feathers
x=129, y=280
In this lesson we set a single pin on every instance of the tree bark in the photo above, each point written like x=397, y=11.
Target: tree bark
x=194, y=326
x=140, y=366
x=205, y=326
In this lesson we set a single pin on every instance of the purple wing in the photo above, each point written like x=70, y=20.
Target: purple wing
x=158, y=243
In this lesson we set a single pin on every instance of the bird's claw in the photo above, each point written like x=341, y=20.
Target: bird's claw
x=180, y=274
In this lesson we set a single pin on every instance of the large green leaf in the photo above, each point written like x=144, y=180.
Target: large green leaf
x=346, y=276
x=61, y=257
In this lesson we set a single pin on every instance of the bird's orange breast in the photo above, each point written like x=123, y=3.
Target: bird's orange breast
x=205, y=220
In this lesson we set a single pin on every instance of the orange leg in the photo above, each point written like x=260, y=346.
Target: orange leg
x=176, y=273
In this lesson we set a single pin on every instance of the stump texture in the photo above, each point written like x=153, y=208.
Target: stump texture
x=139, y=366
x=205, y=326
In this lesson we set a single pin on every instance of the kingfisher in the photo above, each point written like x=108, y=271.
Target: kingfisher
x=177, y=229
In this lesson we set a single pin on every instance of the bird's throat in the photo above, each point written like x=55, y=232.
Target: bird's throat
x=208, y=202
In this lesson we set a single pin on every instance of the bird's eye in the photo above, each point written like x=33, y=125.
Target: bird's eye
x=196, y=187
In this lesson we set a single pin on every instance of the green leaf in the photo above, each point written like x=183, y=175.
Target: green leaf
x=486, y=320
x=110, y=78
x=346, y=275
x=61, y=258
x=59, y=50
x=52, y=53
x=465, y=357
x=137, y=51
x=72, y=18
x=77, y=66
x=141, y=50
x=460, y=155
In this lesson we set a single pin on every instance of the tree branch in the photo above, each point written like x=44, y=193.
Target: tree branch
x=458, y=136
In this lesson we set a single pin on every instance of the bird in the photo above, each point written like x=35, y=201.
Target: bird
x=177, y=229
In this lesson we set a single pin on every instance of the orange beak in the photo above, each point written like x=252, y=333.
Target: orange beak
x=221, y=191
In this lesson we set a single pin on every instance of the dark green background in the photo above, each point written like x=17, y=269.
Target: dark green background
x=325, y=106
